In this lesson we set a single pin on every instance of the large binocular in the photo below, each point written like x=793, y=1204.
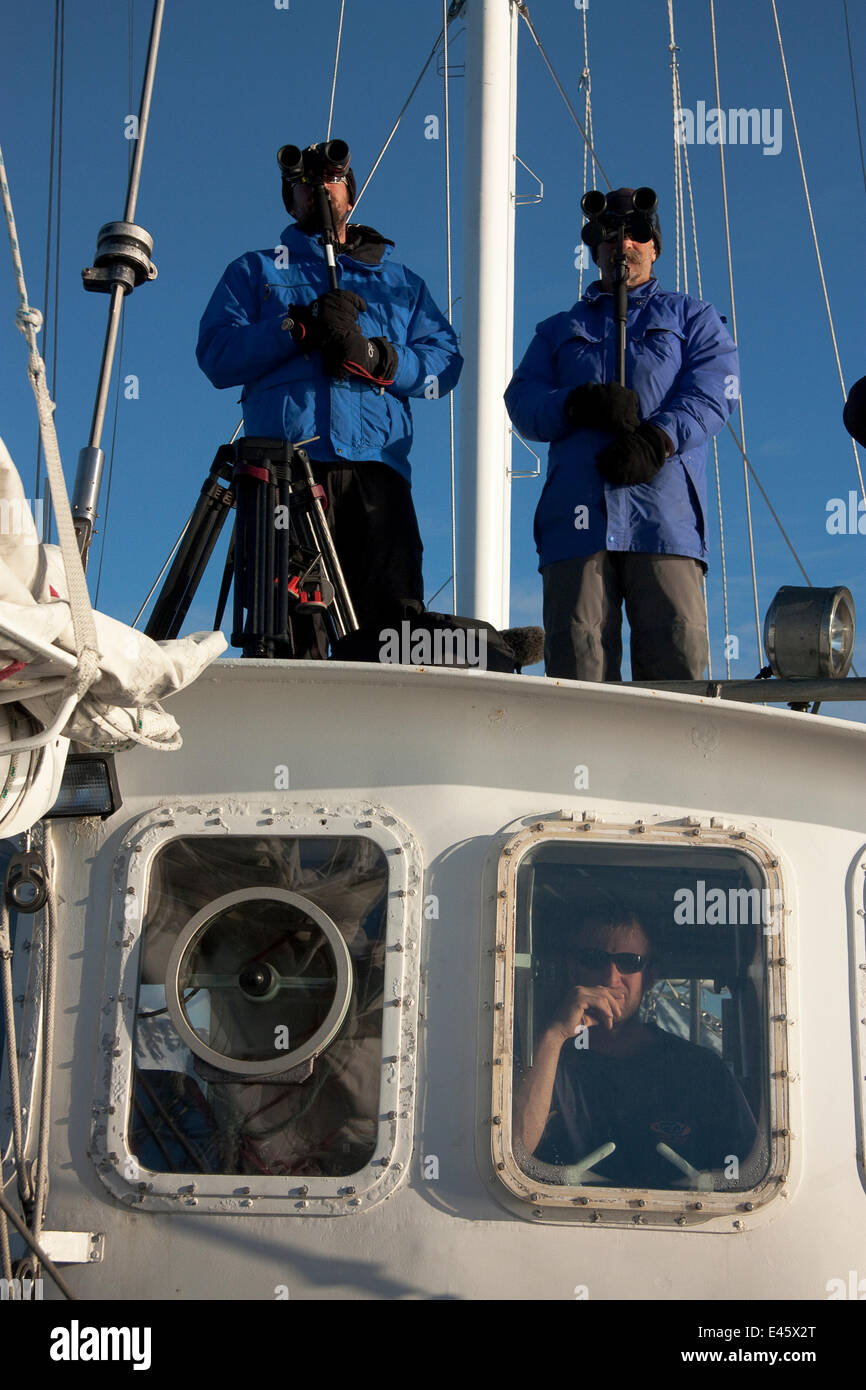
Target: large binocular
x=324, y=162
x=639, y=221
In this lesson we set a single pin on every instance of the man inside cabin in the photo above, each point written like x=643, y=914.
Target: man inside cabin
x=623, y=513
x=339, y=364
x=602, y=1077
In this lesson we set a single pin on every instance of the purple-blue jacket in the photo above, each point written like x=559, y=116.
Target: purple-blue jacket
x=683, y=365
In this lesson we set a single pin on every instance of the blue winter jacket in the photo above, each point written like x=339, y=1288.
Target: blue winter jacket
x=683, y=365
x=286, y=394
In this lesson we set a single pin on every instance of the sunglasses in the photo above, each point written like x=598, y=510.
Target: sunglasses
x=308, y=179
x=626, y=962
x=611, y=230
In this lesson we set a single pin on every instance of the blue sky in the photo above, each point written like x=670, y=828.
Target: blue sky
x=237, y=80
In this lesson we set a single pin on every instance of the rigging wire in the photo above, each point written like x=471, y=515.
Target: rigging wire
x=815, y=235
x=523, y=11
x=675, y=96
x=854, y=90
x=119, y=377
x=6, y=988
x=46, y=290
x=53, y=215
x=734, y=335
x=449, y=14
x=104, y=537
x=586, y=84
x=49, y=1021
x=336, y=64
x=773, y=512
x=454, y=11
x=450, y=301
x=50, y=1268
x=681, y=162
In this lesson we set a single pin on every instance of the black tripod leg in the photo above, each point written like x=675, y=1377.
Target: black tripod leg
x=228, y=571
x=193, y=554
x=344, y=618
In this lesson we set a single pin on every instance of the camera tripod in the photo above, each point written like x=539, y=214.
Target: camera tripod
x=281, y=554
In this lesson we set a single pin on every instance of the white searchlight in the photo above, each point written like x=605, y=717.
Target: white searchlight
x=810, y=633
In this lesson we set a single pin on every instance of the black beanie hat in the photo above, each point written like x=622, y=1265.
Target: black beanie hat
x=854, y=414
x=619, y=201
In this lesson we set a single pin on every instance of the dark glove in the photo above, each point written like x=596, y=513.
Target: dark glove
x=303, y=320
x=345, y=348
x=338, y=312
x=633, y=457
x=603, y=407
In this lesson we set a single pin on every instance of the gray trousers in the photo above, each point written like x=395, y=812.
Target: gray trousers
x=664, y=604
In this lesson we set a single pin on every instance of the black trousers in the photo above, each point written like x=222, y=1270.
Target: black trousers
x=664, y=603
x=371, y=516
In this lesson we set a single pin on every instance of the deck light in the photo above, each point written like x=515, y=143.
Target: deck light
x=810, y=632
x=89, y=787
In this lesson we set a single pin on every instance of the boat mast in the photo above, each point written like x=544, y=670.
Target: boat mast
x=484, y=510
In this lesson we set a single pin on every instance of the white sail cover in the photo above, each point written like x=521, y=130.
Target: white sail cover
x=122, y=705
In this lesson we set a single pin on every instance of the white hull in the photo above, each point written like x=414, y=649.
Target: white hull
x=463, y=761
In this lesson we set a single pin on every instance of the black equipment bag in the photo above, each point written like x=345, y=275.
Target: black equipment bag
x=418, y=638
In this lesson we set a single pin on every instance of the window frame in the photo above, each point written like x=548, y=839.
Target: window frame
x=147, y=1190
x=595, y=1204
x=856, y=896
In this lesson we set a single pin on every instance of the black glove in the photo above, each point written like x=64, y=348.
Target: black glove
x=603, y=407
x=338, y=312
x=634, y=457
x=303, y=320
x=345, y=348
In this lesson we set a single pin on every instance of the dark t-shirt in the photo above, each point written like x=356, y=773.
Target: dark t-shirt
x=672, y=1092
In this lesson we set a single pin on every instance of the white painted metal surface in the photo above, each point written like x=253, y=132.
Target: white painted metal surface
x=484, y=498
x=464, y=760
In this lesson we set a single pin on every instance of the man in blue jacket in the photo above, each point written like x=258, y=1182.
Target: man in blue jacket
x=341, y=364
x=623, y=513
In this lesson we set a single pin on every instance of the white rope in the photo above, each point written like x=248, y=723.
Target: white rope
x=29, y=321
x=586, y=84
x=5, y=1252
x=734, y=335
x=336, y=62
x=815, y=237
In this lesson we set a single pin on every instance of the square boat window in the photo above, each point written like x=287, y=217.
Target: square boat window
x=259, y=1018
x=641, y=1043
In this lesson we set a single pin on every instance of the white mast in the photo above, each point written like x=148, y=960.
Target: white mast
x=484, y=497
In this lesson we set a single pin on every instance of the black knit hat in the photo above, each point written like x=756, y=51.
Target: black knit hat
x=619, y=201
x=854, y=414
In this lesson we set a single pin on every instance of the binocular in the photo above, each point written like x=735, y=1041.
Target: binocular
x=639, y=221
x=322, y=163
